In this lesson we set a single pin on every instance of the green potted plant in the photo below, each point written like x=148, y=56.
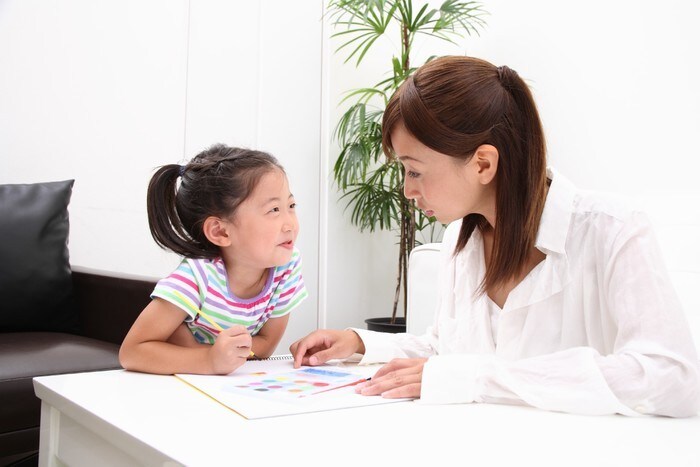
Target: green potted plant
x=372, y=184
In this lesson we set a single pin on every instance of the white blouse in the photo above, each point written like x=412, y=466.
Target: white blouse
x=595, y=328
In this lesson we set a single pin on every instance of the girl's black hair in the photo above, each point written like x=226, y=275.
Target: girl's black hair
x=214, y=183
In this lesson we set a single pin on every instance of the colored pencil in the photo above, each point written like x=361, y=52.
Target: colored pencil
x=363, y=380
x=216, y=325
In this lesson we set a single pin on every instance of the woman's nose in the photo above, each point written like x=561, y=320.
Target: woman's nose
x=408, y=190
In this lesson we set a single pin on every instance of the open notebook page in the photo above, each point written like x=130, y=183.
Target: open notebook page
x=273, y=387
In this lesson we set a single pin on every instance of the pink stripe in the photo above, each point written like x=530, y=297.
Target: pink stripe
x=184, y=279
x=288, y=292
x=279, y=278
x=237, y=304
x=207, y=326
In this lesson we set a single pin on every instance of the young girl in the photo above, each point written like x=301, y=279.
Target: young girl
x=232, y=216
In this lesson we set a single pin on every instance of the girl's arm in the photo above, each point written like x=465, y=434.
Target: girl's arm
x=149, y=347
x=183, y=337
x=266, y=340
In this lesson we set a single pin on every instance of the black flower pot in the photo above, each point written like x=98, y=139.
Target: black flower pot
x=385, y=325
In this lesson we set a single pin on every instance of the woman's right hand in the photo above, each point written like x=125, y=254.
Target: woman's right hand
x=230, y=350
x=325, y=344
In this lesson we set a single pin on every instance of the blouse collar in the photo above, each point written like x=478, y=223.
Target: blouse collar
x=556, y=216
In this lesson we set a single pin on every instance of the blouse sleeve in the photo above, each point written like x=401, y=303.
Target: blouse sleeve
x=382, y=347
x=654, y=366
x=652, y=369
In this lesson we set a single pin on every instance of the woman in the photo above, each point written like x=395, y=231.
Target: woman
x=549, y=296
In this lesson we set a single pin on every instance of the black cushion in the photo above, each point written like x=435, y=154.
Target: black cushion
x=35, y=276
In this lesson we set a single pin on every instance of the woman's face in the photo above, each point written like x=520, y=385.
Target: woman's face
x=442, y=186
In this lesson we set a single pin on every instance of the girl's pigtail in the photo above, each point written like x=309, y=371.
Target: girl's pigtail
x=214, y=183
x=163, y=219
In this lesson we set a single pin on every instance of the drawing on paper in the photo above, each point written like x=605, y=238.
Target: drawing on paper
x=292, y=384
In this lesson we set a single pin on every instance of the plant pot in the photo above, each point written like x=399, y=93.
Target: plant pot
x=385, y=325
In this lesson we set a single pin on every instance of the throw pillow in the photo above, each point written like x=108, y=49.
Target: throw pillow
x=35, y=276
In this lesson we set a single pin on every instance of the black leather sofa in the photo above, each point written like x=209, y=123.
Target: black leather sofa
x=53, y=319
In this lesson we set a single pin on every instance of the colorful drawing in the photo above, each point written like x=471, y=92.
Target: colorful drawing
x=293, y=384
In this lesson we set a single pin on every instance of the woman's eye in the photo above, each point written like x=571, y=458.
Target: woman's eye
x=293, y=205
x=275, y=210
x=411, y=174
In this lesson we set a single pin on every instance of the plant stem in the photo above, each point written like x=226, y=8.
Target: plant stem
x=405, y=48
x=400, y=276
x=408, y=222
x=411, y=243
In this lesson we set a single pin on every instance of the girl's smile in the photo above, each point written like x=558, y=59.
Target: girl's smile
x=265, y=226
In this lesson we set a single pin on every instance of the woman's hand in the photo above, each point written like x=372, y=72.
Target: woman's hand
x=230, y=350
x=399, y=378
x=325, y=344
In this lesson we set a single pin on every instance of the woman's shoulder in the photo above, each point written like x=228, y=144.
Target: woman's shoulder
x=607, y=219
x=590, y=203
x=607, y=207
x=594, y=215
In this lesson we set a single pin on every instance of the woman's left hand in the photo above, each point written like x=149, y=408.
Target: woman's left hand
x=399, y=378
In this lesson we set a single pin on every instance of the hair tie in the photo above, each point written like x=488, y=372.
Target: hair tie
x=502, y=73
x=182, y=170
x=506, y=76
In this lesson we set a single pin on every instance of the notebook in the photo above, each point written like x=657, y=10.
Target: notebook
x=273, y=387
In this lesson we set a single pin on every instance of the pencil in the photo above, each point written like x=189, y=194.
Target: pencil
x=210, y=320
x=354, y=383
x=216, y=325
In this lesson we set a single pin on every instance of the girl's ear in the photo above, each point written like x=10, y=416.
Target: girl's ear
x=216, y=231
x=486, y=157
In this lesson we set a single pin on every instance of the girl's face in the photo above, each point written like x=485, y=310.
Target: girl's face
x=442, y=186
x=265, y=226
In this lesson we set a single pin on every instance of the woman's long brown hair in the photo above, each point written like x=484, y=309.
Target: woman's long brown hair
x=455, y=104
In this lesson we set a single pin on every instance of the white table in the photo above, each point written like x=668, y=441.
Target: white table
x=124, y=418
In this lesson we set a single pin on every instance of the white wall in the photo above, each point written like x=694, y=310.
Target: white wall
x=104, y=91
x=95, y=91
x=616, y=85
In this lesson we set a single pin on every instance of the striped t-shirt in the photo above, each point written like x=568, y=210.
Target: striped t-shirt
x=202, y=284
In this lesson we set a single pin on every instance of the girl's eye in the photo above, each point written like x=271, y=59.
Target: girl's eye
x=275, y=210
x=293, y=205
x=411, y=174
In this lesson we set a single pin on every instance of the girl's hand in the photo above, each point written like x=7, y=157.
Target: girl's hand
x=230, y=350
x=400, y=377
x=325, y=344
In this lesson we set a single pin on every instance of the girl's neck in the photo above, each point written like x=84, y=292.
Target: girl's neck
x=246, y=282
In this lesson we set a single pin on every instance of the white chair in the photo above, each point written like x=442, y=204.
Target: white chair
x=422, y=287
